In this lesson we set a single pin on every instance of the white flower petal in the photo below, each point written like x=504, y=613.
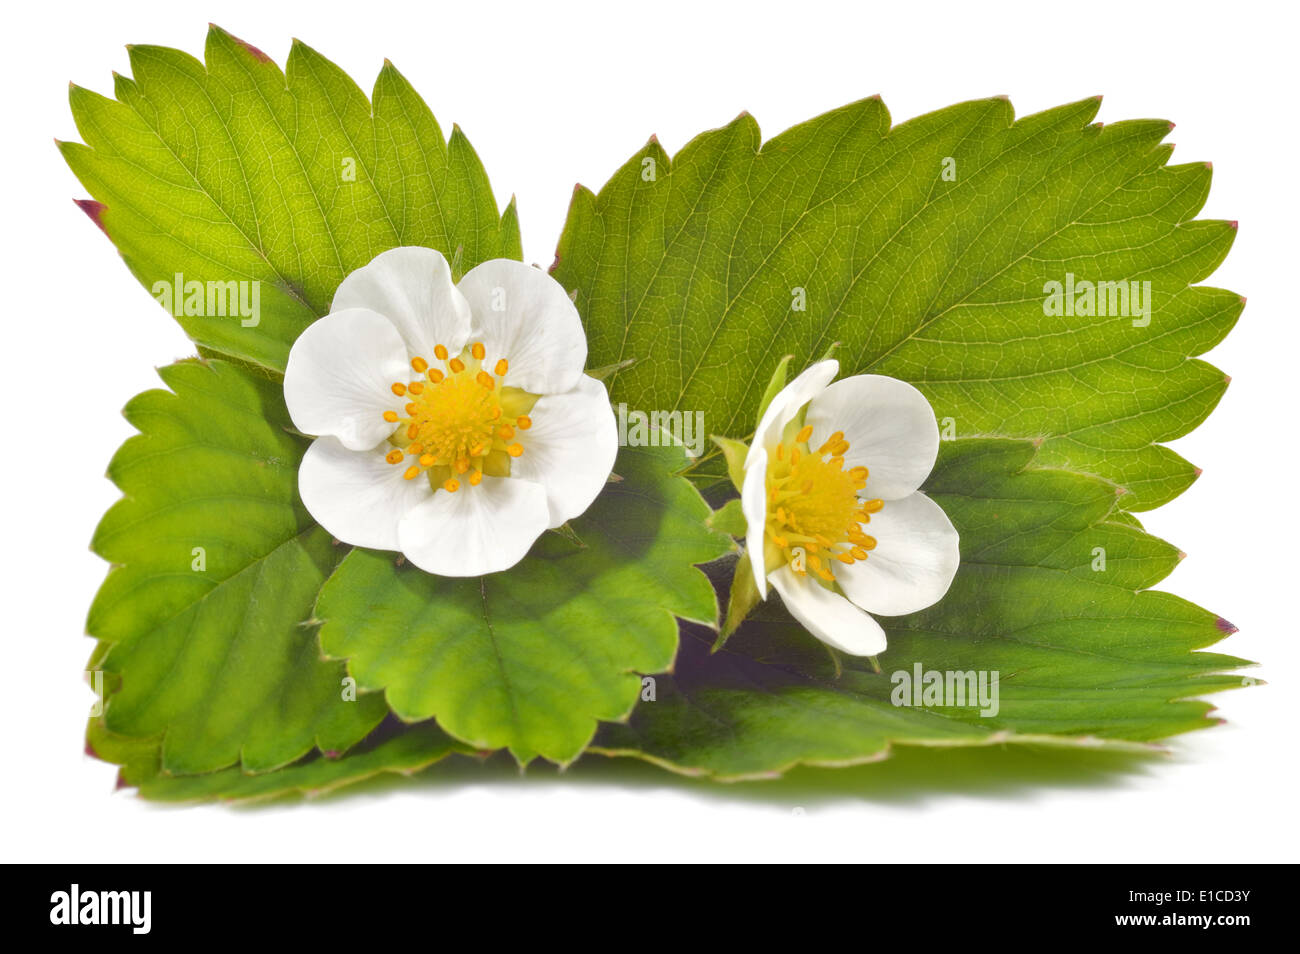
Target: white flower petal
x=829, y=616
x=788, y=401
x=357, y=495
x=890, y=428
x=523, y=315
x=475, y=530
x=753, y=503
x=912, y=566
x=412, y=288
x=339, y=375
x=570, y=448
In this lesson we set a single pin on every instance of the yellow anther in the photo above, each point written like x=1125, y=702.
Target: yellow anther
x=416, y=449
x=399, y=388
x=456, y=365
x=794, y=457
x=831, y=442
x=440, y=352
x=462, y=465
x=412, y=431
x=451, y=485
x=427, y=460
x=858, y=553
x=411, y=473
x=873, y=506
x=523, y=422
x=415, y=387
x=859, y=473
x=411, y=408
x=475, y=477
x=804, y=433
x=486, y=380
x=496, y=412
x=420, y=365
x=478, y=351
x=514, y=450
x=506, y=432
x=390, y=417
x=394, y=456
x=435, y=375
x=502, y=367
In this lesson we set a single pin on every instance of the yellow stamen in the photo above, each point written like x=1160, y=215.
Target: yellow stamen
x=813, y=505
x=452, y=421
x=502, y=367
x=523, y=422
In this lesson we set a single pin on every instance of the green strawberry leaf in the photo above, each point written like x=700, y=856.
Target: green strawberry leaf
x=216, y=567
x=231, y=170
x=401, y=750
x=531, y=658
x=926, y=249
x=1053, y=595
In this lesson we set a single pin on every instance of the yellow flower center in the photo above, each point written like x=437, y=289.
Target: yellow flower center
x=460, y=421
x=814, y=514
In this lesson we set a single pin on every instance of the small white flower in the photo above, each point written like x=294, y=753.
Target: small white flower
x=828, y=462
x=454, y=422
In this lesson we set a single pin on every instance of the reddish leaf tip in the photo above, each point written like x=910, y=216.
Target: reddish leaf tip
x=95, y=210
x=1233, y=225
x=1224, y=626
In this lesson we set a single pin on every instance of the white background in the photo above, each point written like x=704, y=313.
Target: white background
x=550, y=93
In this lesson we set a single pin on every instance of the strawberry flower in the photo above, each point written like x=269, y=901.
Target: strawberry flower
x=834, y=519
x=453, y=422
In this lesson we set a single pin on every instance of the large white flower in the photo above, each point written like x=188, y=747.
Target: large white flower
x=454, y=422
x=829, y=463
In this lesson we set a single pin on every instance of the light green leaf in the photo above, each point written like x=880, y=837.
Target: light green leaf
x=1085, y=656
x=216, y=568
x=402, y=750
x=531, y=658
x=700, y=274
x=232, y=170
